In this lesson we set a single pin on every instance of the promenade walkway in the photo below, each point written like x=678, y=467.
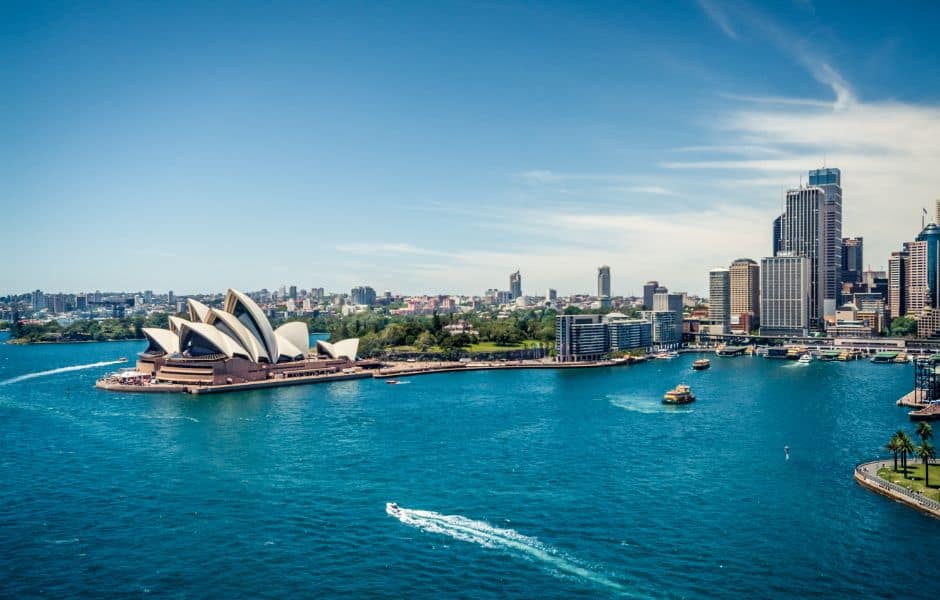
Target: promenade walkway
x=866, y=474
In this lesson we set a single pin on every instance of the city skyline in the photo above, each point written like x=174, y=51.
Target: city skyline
x=396, y=150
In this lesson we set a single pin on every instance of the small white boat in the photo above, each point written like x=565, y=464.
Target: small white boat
x=392, y=508
x=667, y=355
x=805, y=359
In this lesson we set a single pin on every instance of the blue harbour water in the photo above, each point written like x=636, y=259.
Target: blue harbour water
x=513, y=484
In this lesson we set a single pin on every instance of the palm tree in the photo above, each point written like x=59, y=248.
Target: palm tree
x=924, y=430
x=907, y=447
x=894, y=447
x=925, y=451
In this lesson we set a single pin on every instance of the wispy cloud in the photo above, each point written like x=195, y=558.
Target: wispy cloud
x=655, y=190
x=717, y=15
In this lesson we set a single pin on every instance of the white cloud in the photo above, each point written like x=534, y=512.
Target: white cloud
x=718, y=16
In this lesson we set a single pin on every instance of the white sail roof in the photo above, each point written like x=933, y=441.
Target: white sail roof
x=164, y=339
x=197, y=311
x=218, y=341
x=253, y=318
x=296, y=333
x=229, y=325
x=343, y=348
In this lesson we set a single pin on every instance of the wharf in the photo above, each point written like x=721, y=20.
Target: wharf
x=428, y=368
x=930, y=412
x=913, y=399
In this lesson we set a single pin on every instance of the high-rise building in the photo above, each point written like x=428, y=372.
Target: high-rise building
x=603, y=281
x=897, y=282
x=626, y=333
x=665, y=327
x=666, y=302
x=551, y=294
x=744, y=275
x=802, y=234
x=830, y=253
x=38, y=300
x=363, y=295
x=515, y=285
x=931, y=238
x=852, y=260
x=778, y=235
x=917, y=277
x=292, y=294
x=649, y=288
x=170, y=298
x=785, y=295
x=719, y=300
x=937, y=211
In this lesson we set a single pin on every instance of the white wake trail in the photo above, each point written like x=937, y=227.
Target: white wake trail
x=482, y=533
x=19, y=378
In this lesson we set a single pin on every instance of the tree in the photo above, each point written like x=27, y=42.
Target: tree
x=424, y=341
x=925, y=451
x=906, y=447
x=924, y=431
x=903, y=326
x=894, y=446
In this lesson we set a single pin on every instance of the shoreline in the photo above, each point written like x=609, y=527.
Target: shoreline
x=866, y=475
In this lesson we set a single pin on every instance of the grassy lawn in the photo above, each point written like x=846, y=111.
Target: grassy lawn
x=492, y=347
x=918, y=483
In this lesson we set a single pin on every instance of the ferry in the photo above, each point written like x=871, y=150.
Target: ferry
x=701, y=364
x=682, y=394
x=901, y=358
x=805, y=359
x=885, y=357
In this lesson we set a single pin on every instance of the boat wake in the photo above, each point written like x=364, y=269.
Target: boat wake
x=507, y=540
x=19, y=378
x=646, y=406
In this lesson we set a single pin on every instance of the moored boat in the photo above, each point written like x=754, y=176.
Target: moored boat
x=682, y=394
x=805, y=359
x=701, y=364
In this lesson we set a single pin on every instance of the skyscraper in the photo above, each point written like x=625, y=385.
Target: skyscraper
x=362, y=295
x=648, y=290
x=830, y=253
x=785, y=295
x=937, y=211
x=931, y=238
x=778, y=235
x=515, y=285
x=802, y=231
x=744, y=275
x=897, y=282
x=38, y=300
x=719, y=300
x=603, y=281
x=852, y=260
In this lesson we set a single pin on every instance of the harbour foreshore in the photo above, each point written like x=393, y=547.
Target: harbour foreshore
x=866, y=474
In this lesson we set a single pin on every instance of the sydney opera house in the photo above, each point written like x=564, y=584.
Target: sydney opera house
x=237, y=345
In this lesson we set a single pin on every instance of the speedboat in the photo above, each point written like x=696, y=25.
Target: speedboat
x=392, y=381
x=682, y=394
x=392, y=508
x=805, y=359
x=122, y=359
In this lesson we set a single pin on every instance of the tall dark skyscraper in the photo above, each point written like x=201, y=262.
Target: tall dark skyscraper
x=515, y=285
x=603, y=281
x=648, y=290
x=852, y=260
x=778, y=233
x=830, y=251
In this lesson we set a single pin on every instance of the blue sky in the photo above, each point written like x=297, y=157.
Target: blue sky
x=426, y=147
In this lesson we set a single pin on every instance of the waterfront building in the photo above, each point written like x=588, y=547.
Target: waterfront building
x=744, y=277
x=625, y=333
x=515, y=285
x=928, y=322
x=649, y=288
x=666, y=327
x=363, y=295
x=666, y=302
x=830, y=252
x=897, y=282
x=580, y=337
x=785, y=295
x=802, y=234
x=603, y=281
x=719, y=300
x=236, y=345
